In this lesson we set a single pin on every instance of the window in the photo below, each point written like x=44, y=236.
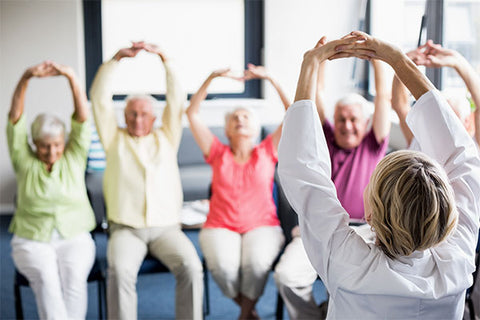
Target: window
x=461, y=33
x=199, y=36
x=398, y=22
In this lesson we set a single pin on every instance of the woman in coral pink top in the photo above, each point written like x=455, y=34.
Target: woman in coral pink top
x=242, y=235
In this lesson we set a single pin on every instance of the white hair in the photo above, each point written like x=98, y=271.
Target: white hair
x=458, y=101
x=144, y=97
x=354, y=99
x=47, y=125
x=253, y=119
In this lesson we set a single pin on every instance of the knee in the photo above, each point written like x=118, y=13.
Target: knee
x=41, y=276
x=223, y=270
x=122, y=274
x=190, y=267
x=282, y=274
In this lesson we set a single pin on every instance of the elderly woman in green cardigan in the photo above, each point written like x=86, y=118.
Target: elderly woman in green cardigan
x=52, y=246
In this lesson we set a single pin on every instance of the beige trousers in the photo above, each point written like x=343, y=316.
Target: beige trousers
x=294, y=276
x=240, y=263
x=127, y=248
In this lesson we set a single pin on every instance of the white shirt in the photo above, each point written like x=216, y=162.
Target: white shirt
x=361, y=280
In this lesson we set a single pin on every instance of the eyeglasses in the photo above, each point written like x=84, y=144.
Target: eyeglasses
x=134, y=115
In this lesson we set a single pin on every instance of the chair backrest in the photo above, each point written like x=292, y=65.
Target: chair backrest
x=287, y=216
x=189, y=153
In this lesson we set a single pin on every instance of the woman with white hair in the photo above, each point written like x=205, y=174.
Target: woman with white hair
x=433, y=55
x=242, y=235
x=52, y=246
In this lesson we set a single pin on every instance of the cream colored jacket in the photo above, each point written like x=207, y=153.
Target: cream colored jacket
x=141, y=183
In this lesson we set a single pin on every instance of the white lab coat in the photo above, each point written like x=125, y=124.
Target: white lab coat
x=362, y=281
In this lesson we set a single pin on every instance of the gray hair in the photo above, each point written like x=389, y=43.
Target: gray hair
x=145, y=97
x=253, y=119
x=354, y=99
x=459, y=102
x=47, y=125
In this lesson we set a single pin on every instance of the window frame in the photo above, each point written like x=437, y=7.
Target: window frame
x=254, y=42
x=432, y=22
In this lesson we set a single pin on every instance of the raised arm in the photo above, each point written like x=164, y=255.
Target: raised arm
x=372, y=48
x=381, y=116
x=320, y=94
x=400, y=94
x=202, y=134
x=437, y=56
x=43, y=69
x=304, y=164
x=175, y=98
x=440, y=135
x=259, y=72
x=401, y=106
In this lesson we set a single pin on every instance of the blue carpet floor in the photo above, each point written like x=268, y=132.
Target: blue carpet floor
x=155, y=291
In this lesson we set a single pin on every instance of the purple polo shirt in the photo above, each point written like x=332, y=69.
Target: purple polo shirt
x=351, y=169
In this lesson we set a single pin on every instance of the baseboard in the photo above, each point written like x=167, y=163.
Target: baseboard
x=6, y=208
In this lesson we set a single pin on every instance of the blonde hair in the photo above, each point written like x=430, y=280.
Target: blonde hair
x=47, y=126
x=412, y=203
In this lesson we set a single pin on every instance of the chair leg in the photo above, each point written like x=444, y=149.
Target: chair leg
x=100, y=299
x=18, y=301
x=279, y=313
x=206, y=289
x=471, y=309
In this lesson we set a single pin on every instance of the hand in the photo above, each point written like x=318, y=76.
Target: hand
x=226, y=72
x=366, y=47
x=255, y=72
x=324, y=49
x=418, y=55
x=62, y=70
x=130, y=52
x=41, y=70
x=153, y=48
x=437, y=56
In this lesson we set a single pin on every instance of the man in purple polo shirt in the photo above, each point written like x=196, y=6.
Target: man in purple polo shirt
x=355, y=149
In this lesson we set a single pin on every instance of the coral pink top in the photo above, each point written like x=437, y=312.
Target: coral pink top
x=242, y=193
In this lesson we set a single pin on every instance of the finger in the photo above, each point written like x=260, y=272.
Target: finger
x=320, y=42
x=360, y=34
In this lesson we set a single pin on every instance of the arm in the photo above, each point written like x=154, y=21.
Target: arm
x=43, y=69
x=400, y=94
x=373, y=48
x=101, y=95
x=320, y=95
x=175, y=99
x=381, y=116
x=304, y=165
x=259, y=72
x=202, y=134
x=441, y=57
x=401, y=106
x=440, y=136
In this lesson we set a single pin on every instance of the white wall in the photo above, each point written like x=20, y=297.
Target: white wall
x=34, y=30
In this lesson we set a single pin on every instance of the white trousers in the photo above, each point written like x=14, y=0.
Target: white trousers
x=57, y=272
x=240, y=263
x=294, y=276
x=127, y=248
